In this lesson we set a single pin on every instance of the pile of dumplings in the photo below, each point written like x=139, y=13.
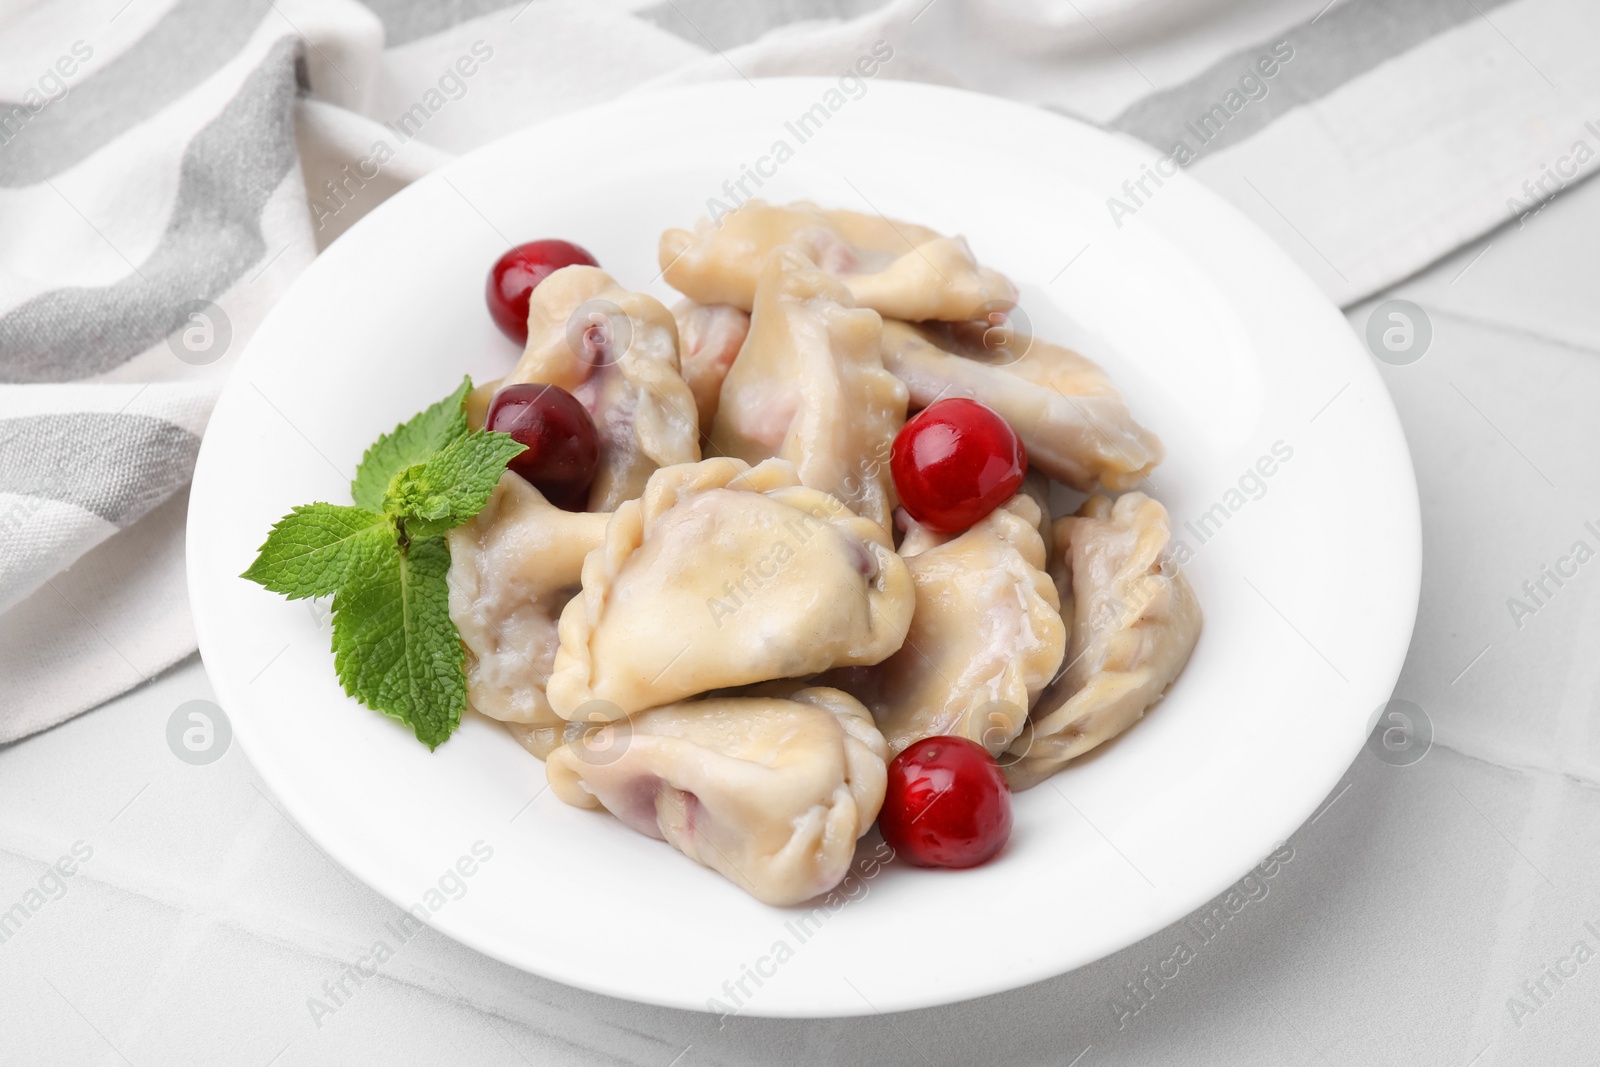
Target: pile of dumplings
x=725, y=650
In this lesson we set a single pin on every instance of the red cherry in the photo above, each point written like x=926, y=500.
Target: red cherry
x=955, y=462
x=514, y=275
x=563, y=445
x=947, y=804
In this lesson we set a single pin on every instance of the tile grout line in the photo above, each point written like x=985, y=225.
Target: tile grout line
x=1511, y=329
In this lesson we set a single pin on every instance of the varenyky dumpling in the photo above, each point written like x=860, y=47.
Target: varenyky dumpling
x=986, y=637
x=1135, y=620
x=513, y=568
x=709, y=337
x=1074, y=423
x=770, y=791
x=723, y=575
x=898, y=269
x=1036, y=486
x=809, y=387
x=617, y=352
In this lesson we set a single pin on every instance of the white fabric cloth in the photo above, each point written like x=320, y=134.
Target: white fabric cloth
x=167, y=172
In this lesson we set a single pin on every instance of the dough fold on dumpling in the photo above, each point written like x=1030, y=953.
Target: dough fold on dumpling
x=513, y=567
x=617, y=352
x=986, y=637
x=1076, y=426
x=1036, y=486
x=898, y=269
x=769, y=791
x=709, y=337
x=722, y=575
x=809, y=387
x=1135, y=621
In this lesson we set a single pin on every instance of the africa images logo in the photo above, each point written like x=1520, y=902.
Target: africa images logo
x=202, y=335
x=198, y=732
x=1194, y=934
x=1210, y=124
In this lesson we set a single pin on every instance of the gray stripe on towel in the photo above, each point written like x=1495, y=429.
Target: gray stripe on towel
x=185, y=47
x=405, y=21
x=116, y=465
x=229, y=171
x=724, y=24
x=1347, y=41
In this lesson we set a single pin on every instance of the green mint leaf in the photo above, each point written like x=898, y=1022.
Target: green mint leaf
x=411, y=442
x=452, y=485
x=316, y=548
x=394, y=646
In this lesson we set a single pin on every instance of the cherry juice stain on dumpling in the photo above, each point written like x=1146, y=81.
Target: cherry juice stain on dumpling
x=617, y=352
x=770, y=789
x=709, y=339
x=809, y=386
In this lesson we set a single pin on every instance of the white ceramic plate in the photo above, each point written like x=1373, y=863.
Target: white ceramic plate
x=1308, y=577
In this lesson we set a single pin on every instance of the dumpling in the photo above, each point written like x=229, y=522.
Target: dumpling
x=709, y=337
x=723, y=575
x=1135, y=620
x=900, y=270
x=1074, y=423
x=986, y=637
x=1036, y=486
x=809, y=387
x=769, y=791
x=617, y=352
x=512, y=569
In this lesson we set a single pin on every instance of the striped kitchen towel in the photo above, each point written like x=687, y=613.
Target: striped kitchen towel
x=167, y=167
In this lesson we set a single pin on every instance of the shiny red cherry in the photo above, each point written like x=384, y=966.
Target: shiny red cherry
x=947, y=804
x=563, y=445
x=515, y=274
x=955, y=462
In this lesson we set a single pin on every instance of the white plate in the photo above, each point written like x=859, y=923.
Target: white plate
x=1223, y=347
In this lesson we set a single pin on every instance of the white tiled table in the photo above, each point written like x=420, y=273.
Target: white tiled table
x=1416, y=904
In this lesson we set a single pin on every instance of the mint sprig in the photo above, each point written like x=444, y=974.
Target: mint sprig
x=386, y=563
